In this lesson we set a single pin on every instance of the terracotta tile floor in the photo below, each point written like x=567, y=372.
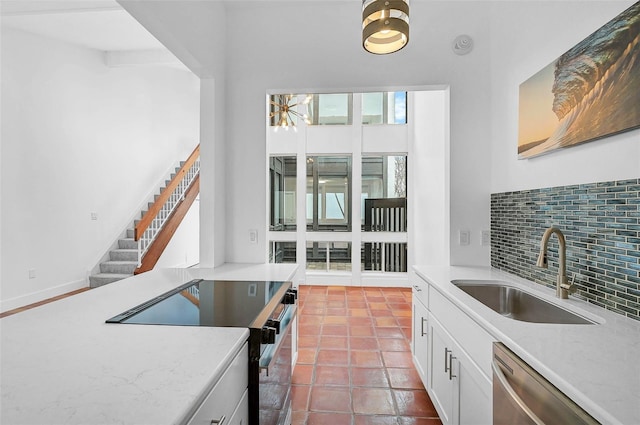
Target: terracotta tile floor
x=354, y=359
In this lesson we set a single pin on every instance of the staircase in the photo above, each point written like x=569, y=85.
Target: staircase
x=121, y=264
x=155, y=226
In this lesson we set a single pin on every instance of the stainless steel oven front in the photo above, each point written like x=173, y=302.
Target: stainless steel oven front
x=270, y=365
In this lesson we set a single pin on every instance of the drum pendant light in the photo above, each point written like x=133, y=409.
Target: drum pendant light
x=385, y=25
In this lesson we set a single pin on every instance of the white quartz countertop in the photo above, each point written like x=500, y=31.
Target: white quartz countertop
x=598, y=366
x=62, y=364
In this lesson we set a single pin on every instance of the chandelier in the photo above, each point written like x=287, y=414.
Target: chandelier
x=385, y=25
x=284, y=110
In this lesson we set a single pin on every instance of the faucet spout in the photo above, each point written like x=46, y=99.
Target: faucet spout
x=562, y=285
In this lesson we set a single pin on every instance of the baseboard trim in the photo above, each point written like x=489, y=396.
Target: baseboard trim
x=36, y=297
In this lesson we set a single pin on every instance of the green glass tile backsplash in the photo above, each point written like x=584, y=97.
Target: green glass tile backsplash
x=601, y=224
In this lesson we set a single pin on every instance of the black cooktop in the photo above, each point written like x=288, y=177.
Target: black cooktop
x=205, y=303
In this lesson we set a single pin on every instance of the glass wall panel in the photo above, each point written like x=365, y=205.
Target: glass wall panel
x=331, y=109
x=384, y=193
x=282, y=193
x=384, y=108
x=384, y=256
x=282, y=252
x=317, y=256
x=328, y=193
x=329, y=256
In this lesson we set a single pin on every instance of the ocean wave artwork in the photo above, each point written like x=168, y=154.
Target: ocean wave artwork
x=590, y=92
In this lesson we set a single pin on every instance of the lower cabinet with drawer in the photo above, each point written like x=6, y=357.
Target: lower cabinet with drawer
x=227, y=403
x=457, y=354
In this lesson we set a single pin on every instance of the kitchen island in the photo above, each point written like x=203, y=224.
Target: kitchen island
x=62, y=364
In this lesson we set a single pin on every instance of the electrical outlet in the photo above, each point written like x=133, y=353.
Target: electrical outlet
x=94, y=216
x=465, y=237
x=32, y=273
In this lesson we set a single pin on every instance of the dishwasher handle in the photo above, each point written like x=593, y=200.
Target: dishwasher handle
x=504, y=383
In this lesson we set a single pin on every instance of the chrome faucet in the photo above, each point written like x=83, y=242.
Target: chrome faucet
x=562, y=284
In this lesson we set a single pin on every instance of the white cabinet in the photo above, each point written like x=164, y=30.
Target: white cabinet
x=227, y=402
x=420, y=340
x=241, y=415
x=458, y=388
x=452, y=354
x=440, y=382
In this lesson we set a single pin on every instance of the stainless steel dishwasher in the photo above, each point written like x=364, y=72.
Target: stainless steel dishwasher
x=522, y=396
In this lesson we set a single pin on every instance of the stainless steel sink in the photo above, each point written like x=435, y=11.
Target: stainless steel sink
x=517, y=304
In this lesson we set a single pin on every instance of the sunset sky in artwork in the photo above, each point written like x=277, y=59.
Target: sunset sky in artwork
x=537, y=120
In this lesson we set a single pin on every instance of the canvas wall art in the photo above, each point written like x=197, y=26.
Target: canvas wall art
x=590, y=92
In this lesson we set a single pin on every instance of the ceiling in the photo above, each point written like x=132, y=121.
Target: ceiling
x=96, y=24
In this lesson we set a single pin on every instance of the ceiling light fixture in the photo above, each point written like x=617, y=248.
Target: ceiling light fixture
x=284, y=110
x=385, y=25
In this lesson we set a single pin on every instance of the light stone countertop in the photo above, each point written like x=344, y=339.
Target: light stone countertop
x=62, y=364
x=598, y=366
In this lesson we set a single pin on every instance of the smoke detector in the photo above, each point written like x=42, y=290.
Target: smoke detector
x=462, y=45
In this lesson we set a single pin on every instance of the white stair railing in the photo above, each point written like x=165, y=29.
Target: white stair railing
x=152, y=222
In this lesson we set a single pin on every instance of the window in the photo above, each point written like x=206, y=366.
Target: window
x=328, y=193
x=316, y=226
x=331, y=109
x=329, y=256
x=384, y=256
x=282, y=182
x=286, y=110
x=384, y=193
x=282, y=252
x=384, y=108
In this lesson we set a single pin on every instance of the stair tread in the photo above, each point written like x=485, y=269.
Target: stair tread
x=119, y=262
x=103, y=274
x=125, y=249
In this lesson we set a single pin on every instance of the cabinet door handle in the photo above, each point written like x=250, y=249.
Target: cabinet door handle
x=446, y=356
x=451, y=357
x=218, y=421
x=422, y=332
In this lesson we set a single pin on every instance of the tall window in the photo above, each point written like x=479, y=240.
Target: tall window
x=384, y=108
x=328, y=193
x=384, y=209
x=282, y=180
x=329, y=243
x=384, y=182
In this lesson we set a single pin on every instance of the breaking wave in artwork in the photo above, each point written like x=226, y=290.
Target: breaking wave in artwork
x=597, y=84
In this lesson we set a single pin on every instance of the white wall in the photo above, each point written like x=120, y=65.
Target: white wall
x=183, y=249
x=527, y=36
x=301, y=53
x=428, y=167
x=79, y=137
x=195, y=32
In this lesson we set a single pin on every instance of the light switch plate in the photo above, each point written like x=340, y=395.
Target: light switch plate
x=253, y=236
x=486, y=238
x=465, y=237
